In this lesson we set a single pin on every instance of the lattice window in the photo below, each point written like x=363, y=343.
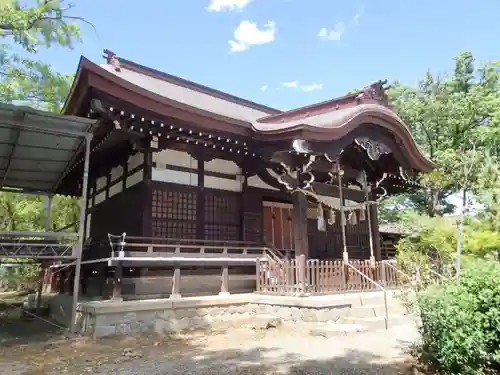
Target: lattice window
x=222, y=216
x=174, y=213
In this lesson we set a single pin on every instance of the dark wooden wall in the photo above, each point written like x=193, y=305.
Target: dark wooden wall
x=175, y=213
x=328, y=244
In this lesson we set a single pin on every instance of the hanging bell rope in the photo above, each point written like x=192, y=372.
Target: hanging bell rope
x=321, y=218
x=334, y=206
x=331, y=216
x=362, y=215
x=352, y=218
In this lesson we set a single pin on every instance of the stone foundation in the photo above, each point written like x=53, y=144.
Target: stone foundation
x=108, y=318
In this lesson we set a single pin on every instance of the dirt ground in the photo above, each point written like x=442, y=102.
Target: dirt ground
x=37, y=348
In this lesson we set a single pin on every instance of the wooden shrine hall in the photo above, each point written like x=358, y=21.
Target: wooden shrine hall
x=196, y=178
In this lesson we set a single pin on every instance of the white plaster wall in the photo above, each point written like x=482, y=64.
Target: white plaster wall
x=168, y=157
x=174, y=157
x=226, y=167
x=256, y=182
x=115, y=189
x=176, y=177
x=101, y=183
x=135, y=160
x=116, y=173
x=99, y=198
x=222, y=166
x=135, y=178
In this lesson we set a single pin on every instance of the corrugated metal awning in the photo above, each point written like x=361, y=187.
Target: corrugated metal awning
x=36, y=147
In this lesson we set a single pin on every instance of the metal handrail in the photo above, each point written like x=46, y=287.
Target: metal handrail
x=386, y=306
x=438, y=274
x=270, y=253
x=398, y=270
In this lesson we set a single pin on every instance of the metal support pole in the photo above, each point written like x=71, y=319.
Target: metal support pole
x=81, y=234
x=48, y=222
x=369, y=220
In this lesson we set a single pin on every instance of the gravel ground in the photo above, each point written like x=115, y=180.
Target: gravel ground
x=285, y=352
x=282, y=350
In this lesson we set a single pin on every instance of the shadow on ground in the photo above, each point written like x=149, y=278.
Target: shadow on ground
x=236, y=352
x=19, y=329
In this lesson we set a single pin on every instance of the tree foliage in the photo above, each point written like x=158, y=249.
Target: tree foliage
x=40, y=23
x=461, y=322
x=455, y=120
x=25, y=80
x=31, y=26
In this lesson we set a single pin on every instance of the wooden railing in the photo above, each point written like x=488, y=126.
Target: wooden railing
x=189, y=249
x=315, y=277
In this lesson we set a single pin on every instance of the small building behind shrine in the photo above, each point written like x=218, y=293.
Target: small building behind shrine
x=185, y=179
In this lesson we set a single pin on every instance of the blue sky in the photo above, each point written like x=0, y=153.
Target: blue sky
x=337, y=45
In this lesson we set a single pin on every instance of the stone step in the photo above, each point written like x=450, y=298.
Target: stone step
x=331, y=330
x=372, y=311
x=378, y=323
x=371, y=298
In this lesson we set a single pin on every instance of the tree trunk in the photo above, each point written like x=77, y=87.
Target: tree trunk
x=460, y=223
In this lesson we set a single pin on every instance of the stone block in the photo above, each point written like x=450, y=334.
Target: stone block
x=104, y=331
x=264, y=322
x=331, y=330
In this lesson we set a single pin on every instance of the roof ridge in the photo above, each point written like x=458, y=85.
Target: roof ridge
x=112, y=58
x=374, y=92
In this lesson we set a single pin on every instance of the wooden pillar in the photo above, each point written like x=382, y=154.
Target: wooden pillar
x=117, y=282
x=69, y=281
x=200, y=202
x=243, y=197
x=300, y=225
x=147, y=212
x=60, y=281
x=375, y=232
x=224, y=285
x=176, y=283
x=102, y=276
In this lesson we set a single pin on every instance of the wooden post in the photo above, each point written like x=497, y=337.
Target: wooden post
x=176, y=283
x=69, y=281
x=375, y=231
x=224, y=287
x=102, y=273
x=117, y=282
x=301, y=273
x=300, y=225
x=383, y=273
x=60, y=281
x=257, y=273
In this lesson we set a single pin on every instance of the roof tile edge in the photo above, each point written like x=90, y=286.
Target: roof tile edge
x=119, y=62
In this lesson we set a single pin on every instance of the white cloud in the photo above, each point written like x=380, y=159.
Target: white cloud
x=264, y=88
x=357, y=17
x=229, y=5
x=248, y=34
x=313, y=86
x=290, y=84
x=335, y=33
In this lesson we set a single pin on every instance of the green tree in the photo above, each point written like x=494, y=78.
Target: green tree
x=40, y=24
x=451, y=118
x=29, y=81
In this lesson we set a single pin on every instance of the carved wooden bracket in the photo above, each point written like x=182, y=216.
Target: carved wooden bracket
x=374, y=149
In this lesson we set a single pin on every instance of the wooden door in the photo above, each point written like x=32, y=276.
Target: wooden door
x=278, y=225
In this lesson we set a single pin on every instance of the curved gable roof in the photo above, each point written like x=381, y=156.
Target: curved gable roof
x=174, y=97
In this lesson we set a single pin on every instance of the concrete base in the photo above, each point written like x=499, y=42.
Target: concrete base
x=163, y=316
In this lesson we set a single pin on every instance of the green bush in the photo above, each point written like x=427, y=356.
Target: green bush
x=461, y=322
